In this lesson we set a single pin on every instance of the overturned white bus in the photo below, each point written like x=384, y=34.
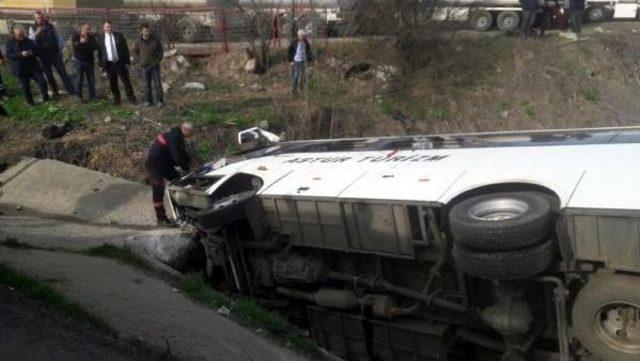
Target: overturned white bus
x=511, y=245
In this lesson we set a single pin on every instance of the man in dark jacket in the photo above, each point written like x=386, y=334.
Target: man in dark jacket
x=114, y=59
x=148, y=52
x=50, y=54
x=167, y=152
x=22, y=53
x=530, y=9
x=84, y=47
x=577, y=12
x=299, y=55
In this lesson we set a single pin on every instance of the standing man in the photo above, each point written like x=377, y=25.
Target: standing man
x=148, y=51
x=24, y=65
x=530, y=9
x=299, y=55
x=50, y=54
x=84, y=46
x=114, y=58
x=577, y=11
x=167, y=152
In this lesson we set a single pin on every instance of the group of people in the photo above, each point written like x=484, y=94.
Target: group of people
x=35, y=56
x=535, y=13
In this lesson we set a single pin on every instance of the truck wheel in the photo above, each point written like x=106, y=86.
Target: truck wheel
x=226, y=210
x=501, y=221
x=186, y=30
x=606, y=317
x=596, y=14
x=508, y=20
x=511, y=265
x=481, y=20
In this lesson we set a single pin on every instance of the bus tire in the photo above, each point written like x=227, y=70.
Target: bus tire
x=481, y=20
x=498, y=222
x=596, y=14
x=508, y=20
x=187, y=30
x=606, y=317
x=513, y=265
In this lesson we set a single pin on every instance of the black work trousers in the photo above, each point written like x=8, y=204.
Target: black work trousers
x=117, y=70
x=159, y=173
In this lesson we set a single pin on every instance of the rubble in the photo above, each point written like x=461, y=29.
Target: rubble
x=194, y=86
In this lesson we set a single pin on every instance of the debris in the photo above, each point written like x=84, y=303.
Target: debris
x=173, y=65
x=175, y=290
x=96, y=190
x=251, y=66
x=598, y=29
x=107, y=119
x=568, y=35
x=170, y=53
x=224, y=311
x=263, y=124
x=358, y=70
x=194, y=86
x=504, y=114
x=183, y=61
x=171, y=247
x=257, y=87
x=57, y=130
x=165, y=86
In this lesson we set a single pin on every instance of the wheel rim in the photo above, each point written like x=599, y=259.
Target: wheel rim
x=508, y=22
x=482, y=22
x=498, y=209
x=618, y=325
x=595, y=14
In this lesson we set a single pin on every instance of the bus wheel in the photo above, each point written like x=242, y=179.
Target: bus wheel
x=606, y=317
x=481, y=20
x=596, y=14
x=508, y=20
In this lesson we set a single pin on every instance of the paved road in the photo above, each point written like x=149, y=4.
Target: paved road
x=32, y=331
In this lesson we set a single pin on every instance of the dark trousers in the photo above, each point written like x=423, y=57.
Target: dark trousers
x=25, y=83
x=528, y=20
x=576, y=20
x=152, y=83
x=85, y=69
x=54, y=61
x=158, y=173
x=115, y=70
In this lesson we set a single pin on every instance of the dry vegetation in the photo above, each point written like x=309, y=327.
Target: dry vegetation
x=466, y=82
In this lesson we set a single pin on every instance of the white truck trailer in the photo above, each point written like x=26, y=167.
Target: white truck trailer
x=506, y=14
x=514, y=246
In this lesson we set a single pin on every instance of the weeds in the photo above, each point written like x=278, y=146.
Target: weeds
x=591, y=95
x=39, y=291
x=250, y=312
x=120, y=254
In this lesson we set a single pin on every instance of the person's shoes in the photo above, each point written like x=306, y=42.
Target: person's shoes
x=166, y=222
x=160, y=105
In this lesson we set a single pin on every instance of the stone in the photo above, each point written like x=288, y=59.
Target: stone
x=183, y=61
x=263, y=124
x=171, y=247
x=568, y=35
x=256, y=87
x=224, y=311
x=598, y=29
x=251, y=66
x=194, y=86
x=173, y=66
x=107, y=119
x=165, y=86
x=170, y=53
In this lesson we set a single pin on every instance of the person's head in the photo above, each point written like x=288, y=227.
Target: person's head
x=106, y=27
x=187, y=129
x=301, y=35
x=145, y=31
x=85, y=29
x=18, y=32
x=40, y=18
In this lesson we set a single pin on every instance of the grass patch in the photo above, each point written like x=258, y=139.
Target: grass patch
x=120, y=254
x=39, y=291
x=251, y=313
x=591, y=95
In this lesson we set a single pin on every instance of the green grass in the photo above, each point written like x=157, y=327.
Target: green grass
x=40, y=291
x=120, y=254
x=250, y=312
x=591, y=95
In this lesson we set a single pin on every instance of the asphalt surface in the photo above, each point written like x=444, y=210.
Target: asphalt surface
x=33, y=331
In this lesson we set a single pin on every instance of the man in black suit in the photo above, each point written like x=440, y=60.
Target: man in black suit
x=114, y=59
x=22, y=53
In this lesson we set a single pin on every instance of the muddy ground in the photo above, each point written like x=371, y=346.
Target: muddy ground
x=33, y=331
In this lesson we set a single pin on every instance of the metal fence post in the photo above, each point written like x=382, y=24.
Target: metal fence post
x=223, y=29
